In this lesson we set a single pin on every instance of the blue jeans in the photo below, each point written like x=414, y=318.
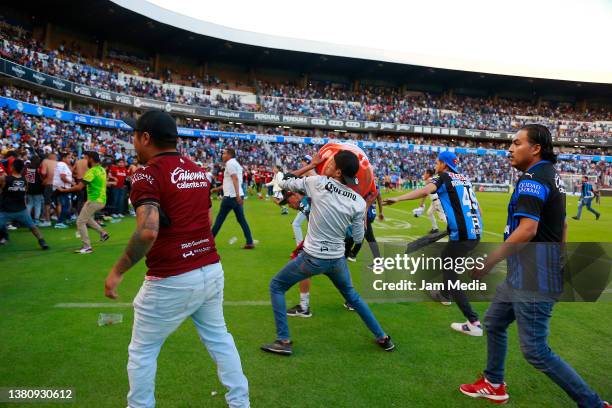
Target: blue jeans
x=159, y=309
x=306, y=266
x=64, y=201
x=532, y=318
x=35, y=201
x=586, y=202
x=230, y=204
x=22, y=217
x=117, y=199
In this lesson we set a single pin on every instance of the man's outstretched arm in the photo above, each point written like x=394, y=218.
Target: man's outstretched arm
x=147, y=228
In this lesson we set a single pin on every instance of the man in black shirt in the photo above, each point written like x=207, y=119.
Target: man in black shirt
x=534, y=233
x=13, y=207
x=34, y=193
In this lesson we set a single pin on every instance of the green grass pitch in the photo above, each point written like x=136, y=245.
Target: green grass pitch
x=335, y=363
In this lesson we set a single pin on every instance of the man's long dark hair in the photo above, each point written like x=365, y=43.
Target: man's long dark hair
x=539, y=134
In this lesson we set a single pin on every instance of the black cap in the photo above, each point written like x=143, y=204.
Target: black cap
x=159, y=124
x=348, y=163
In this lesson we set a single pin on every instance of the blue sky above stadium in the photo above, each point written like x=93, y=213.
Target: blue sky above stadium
x=555, y=39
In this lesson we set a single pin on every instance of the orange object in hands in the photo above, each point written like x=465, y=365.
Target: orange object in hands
x=365, y=174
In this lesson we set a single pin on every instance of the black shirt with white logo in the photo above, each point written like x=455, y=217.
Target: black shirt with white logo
x=34, y=180
x=13, y=194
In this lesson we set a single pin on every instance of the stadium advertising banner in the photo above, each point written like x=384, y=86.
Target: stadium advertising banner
x=36, y=77
x=89, y=120
x=27, y=74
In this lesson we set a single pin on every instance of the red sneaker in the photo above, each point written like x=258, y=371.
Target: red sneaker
x=607, y=404
x=483, y=389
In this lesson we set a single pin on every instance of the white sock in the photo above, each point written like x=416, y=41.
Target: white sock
x=305, y=300
x=491, y=384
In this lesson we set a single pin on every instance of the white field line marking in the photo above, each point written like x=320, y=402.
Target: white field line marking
x=124, y=304
x=495, y=234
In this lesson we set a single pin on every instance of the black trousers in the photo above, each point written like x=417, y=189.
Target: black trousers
x=458, y=249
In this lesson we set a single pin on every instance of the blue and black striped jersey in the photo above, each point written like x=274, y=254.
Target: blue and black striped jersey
x=540, y=195
x=587, y=191
x=459, y=204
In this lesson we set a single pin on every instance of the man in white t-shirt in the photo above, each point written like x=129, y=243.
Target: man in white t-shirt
x=334, y=207
x=232, y=197
x=62, y=179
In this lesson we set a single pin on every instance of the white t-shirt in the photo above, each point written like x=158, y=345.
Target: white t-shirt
x=62, y=168
x=232, y=167
x=333, y=208
x=278, y=177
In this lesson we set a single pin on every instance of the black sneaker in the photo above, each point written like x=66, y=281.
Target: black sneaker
x=278, y=347
x=348, y=307
x=434, y=231
x=576, y=218
x=386, y=343
x=297, y=311
x=597, y=217
x=43, y=244
x=104, y=237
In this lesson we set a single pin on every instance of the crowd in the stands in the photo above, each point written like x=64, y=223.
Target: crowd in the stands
x=308, y=98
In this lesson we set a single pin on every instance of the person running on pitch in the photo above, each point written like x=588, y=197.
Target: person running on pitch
x=587, y=193
x=334, y=207
x=464, y=225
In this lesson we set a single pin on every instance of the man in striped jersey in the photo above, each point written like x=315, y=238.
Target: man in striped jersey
x=464, y=225
x=586, y=198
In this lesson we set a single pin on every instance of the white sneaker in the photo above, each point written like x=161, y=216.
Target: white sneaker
x=45, y=224
x=467, y=328
x=115, y=215
x=350, y=258
x=84, y=250
x=60, y=225
x=121, y=215
x=11, y=227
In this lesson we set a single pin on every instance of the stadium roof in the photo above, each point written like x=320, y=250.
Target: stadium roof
x=542, y=39
x=104, y=20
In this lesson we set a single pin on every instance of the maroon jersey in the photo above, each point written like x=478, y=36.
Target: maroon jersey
x=181, y=188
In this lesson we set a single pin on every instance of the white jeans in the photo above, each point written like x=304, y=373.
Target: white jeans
x=159, y=309
x=297, y=227
x=436, y=208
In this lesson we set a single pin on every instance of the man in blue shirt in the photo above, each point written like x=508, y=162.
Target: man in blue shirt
x=464, y=226
x=586, y=198
x=536, y=215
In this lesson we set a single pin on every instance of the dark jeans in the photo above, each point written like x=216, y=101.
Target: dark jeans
x=456, y=249
x=228, y=204
x=305, y=267
x=64, y=201
x=117, y=199
x=586, y=202
x=532, y=318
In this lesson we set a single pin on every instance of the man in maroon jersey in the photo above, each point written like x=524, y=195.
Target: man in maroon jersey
x=171, y=196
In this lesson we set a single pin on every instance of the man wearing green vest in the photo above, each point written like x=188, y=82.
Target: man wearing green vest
x=95, y=181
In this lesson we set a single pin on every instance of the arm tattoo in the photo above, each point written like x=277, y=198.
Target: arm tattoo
x=147, y=219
